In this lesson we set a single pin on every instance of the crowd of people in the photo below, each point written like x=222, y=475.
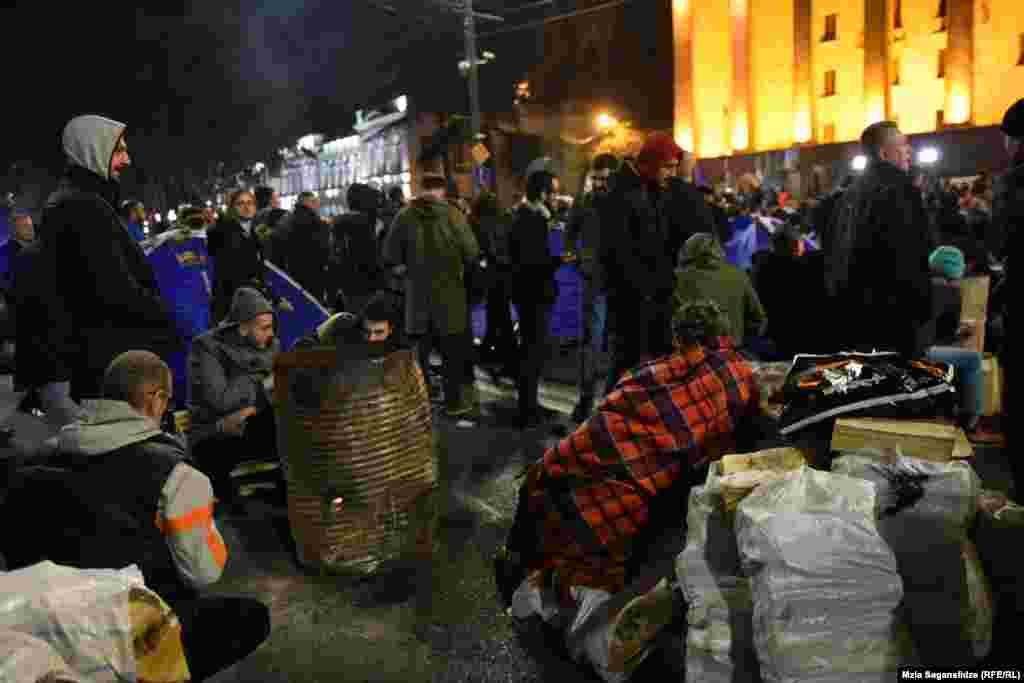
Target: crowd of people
x=96, y=334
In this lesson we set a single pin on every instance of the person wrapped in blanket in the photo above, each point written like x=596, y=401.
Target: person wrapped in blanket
x=589, y=504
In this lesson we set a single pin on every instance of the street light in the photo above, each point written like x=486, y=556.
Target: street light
x=928, y=156
x=859, y=163
x=605, y=122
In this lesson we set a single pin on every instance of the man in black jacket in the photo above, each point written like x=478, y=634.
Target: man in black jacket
x=107, y=285
x=876, y=259
x=649, y=217
x=309, y=245
x=356, y=264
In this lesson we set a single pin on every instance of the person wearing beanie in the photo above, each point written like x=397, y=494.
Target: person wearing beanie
x=231, y=375
x=644, y=223
x=948, y=262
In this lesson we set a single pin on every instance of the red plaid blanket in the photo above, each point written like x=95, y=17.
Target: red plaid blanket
x=590, y=495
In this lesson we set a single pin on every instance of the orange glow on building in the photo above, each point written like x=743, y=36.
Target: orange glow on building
x=767, y=74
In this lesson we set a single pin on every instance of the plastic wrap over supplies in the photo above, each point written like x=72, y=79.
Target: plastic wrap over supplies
x=944, y=495
x=83, y=614
x=825, y=584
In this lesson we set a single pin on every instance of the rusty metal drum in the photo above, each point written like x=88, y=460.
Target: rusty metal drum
x=358, y=429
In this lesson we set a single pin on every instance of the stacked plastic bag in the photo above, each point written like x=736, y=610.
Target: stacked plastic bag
x=825, y=585
x=82, y=614
x=944, y=495
x=719, y=641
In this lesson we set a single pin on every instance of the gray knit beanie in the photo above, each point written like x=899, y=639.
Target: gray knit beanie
x=247, y=304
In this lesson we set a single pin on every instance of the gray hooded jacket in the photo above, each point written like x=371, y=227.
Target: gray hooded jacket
x=197, y=549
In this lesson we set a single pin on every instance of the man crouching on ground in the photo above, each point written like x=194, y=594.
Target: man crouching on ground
x=590, y=507
x=141, y=503
x=231, y=374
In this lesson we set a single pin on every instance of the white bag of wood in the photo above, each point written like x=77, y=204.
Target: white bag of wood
x=27, y=659
x=825, y=584
x=921, y=497
x=945, y=493
x=720, y=610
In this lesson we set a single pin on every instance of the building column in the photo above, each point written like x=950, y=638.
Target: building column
x=804, y=124
x=959, y=62
x=685, y=127
x=877, y=93
x=741, y=136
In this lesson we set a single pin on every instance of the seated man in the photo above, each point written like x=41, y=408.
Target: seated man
x=375, y=326
x=944, y=331
x=231, y=374
x=587, y=505
x=126, y=495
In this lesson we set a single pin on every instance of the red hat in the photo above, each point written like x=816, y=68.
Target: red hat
x=658, y=150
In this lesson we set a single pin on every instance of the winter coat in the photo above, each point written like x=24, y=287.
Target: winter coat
x=433, y=241
x=271, y=237
x=45, y=346
x=107, y=286
x=1007, y=230
x=585, y=228
x=789, y=288
x=642, y=232
x=308, y=248
x=226, y=373
x=237, y=262
x=876, y=263
x=533, y=267
x=356, y=264
x=729, y=287
x=141, y=523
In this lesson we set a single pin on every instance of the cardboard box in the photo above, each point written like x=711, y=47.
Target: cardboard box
x=974, y=297
x=933, y=441
x=993, y=384
x=976, y=340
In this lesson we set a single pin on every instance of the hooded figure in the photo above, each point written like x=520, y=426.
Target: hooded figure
x=106, y=288
x=704, y=274
x=645, y=221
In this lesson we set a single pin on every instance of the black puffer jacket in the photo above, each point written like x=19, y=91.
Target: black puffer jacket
x=308, y=249
x=237, y=262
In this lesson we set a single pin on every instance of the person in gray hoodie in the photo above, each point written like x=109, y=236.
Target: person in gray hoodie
x=231, y=376
x=162, y=521
x=104, y=284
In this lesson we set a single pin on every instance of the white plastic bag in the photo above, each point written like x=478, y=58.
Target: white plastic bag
x=27, y=659
x=720, y=608
x=82, y=613
x=825, y=584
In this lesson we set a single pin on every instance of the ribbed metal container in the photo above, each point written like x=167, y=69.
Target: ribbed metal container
x=361, y=430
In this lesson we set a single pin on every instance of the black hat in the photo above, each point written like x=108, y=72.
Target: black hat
x=1013, y=122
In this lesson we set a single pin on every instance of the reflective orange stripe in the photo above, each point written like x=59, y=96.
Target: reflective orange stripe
x=199, y=517
x=216, y=543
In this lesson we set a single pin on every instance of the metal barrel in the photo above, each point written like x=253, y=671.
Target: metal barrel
x=360, y=430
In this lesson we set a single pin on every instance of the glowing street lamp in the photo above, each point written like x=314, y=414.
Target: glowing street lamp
x=859, y=163
x=927, y=156
x=605, y=122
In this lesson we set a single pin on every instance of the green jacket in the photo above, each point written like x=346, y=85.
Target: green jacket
x=727, y=286
x=433, y=240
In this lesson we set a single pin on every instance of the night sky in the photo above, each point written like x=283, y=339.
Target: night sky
x=204, y=81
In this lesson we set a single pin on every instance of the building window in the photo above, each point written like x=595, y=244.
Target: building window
x=831, y=28
x=942, y=63
x=897, y=16
x=941, y=17
x=829, y=134
x=897, y=67
x=940, y=120
x=830, y=83
x=1020, y=49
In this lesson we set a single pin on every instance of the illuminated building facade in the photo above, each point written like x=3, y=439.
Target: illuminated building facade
x=753, y=76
